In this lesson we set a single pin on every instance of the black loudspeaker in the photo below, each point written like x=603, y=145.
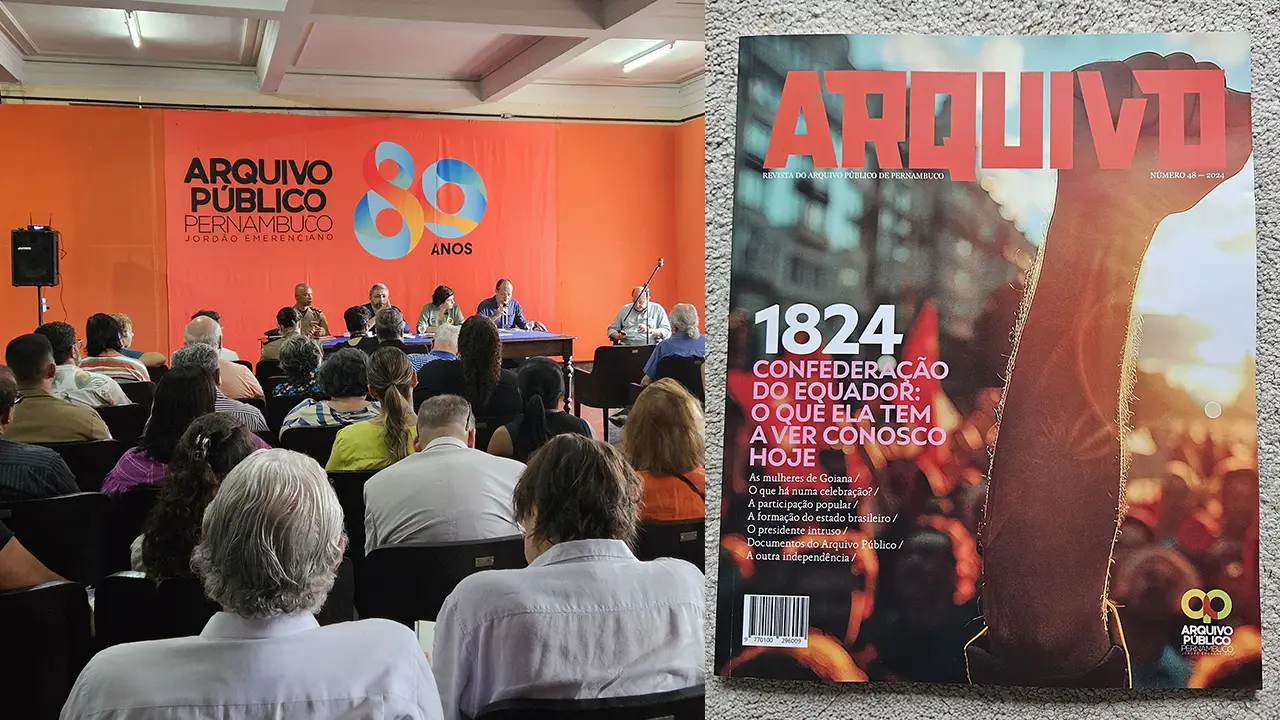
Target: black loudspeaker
x=35, y=256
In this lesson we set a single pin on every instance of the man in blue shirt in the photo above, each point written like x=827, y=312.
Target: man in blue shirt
x=444, y=346
x=505, y=310
x=685, y=341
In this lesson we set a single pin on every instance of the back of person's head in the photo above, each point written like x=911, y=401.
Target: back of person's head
x=30, y=357
x=102, y=333
x=666, y=431
x=480, y=349
x=576, y=488
x=344, y=374
x=213, y=315
x=202, y=330
x=445, y=416
x=200, y=356
x=271, y=539
x=212, y=445
x=126, y=322
x=541, y=387
x=62, y=338
x=684, y=319
x=287, y=317
x=391, y=378
x=300, y=358
x=8, y=394
x=441, y=294
x=388, y=323
x=446, y=338
x=183, y=394
x=356, y=318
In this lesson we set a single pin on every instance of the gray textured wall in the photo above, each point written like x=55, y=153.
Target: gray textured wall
x=729, y=19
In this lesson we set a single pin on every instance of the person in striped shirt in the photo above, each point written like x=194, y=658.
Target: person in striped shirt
x=202, y=355
x=104, y=339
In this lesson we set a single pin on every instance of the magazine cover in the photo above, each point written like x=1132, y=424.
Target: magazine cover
x=990, y=412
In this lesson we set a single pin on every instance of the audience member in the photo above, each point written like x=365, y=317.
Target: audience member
x=541, y=384
x=299, y=362
x=444, y=344
x=344, y=380
x=379, y=300
x=225, y=353
x=686, y=341
x=18, y=568
x=448, y=491
x=235, y=380
x=311, y=320
x=150, y=359
x=286, y=327
x=586, y=619
x=358, y=321
x=203, y=356
x=104, y=340
x=388, y=328
x=71, y=383
x=209, y=449
x=182, y=395
x=640, y=322
x=491, y=390
x=505, y=310
x=388, y=438
x=27, y=472
x=664, y=440
x=442, y=311
x=270, y=545
x=41, y=417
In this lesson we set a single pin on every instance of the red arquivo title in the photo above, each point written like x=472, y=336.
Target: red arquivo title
x=1114, y=142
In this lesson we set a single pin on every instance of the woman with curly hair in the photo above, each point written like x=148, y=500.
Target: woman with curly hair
x=208, y=450
x=477, y=374
x=388, y=438
x=299, y=361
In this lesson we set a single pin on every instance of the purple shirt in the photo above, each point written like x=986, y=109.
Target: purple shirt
x=135, y=468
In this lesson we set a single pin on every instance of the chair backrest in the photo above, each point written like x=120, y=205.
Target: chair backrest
x=684, y=704
x=685, y=370
x=684, y=539
x=340, y=605
x=245, y=363
x=126, y=422
x=613, y=370
x=313, y=442
x=47, y=642
x=278, y=407
x=156, y=372
x=266, y=369
x=90, y=461
x=349, y=487
x=65, y=533
x=256, y=402
x=129, y=511
x=139, y=393
x=410, y=582
x=487, y=426
x=126, y=608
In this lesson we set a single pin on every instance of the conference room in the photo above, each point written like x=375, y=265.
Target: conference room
x=416, y=289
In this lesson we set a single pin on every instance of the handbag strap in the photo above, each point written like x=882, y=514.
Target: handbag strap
x=701, y=492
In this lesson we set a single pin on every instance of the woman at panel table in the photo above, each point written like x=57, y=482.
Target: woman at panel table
x=442, y=310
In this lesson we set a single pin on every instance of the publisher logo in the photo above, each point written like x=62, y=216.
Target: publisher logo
x=1206, y=606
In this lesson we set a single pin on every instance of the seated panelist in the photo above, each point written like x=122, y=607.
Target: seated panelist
x=442, y=310
x=640, y=323
x=505, y=310
x=380, y=298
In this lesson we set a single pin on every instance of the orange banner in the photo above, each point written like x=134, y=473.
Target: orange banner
x=256, y=203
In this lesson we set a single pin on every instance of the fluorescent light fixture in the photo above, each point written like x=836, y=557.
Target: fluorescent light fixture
x=131, y=21
x=647, y=57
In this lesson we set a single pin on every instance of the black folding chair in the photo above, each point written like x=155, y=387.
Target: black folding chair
x=685, y=704
x=257, y=402
x=129, y=512
x=139, y=393
x=46, y=644
x=608, y=384
x=349, y=487
x=90, y=461
x=409, y=582
x=683, y=539
x=245, y=363
x=266, y=370
x=340, y=605
x=156, y=372
x=278, y=407
x=688, y=371
x=126, y=422
x=487, y=426
x=65, y=533
x=126, y=608
x=313, y=442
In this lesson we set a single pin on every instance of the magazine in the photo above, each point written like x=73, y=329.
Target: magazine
x=990, y=412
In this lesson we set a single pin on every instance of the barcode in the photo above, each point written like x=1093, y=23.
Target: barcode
x=775, y=620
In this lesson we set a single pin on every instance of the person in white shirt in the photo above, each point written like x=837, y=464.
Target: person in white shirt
x=447, y=491
x=641, y=322
x=269, y=550
x=585, y=619
x=71, y=383
x=227, y=354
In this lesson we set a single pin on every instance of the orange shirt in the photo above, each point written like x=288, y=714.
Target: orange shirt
x=667, y=497
x=238, y=381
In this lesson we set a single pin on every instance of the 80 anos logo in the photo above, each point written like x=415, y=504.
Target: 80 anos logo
x=415, y=200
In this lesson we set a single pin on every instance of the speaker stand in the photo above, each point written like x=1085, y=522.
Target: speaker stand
x=41, y=306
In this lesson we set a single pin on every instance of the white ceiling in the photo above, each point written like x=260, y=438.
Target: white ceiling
x=560, y=58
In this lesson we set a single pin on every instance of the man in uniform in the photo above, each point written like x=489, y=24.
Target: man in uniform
x=380, y=298
x=311, y=319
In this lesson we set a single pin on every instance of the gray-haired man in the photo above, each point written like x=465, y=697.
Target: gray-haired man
x=201, y=355
x=269, y=550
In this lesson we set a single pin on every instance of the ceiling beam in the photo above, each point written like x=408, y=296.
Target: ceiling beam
x=258, y=9
x=282, y=44
x=506, y=17
x=11, y=63
x=546, y=57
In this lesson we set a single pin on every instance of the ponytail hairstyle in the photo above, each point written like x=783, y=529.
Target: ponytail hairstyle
x=211, y=446
x=541, y=386
x=391, y=379
x=480, y=348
